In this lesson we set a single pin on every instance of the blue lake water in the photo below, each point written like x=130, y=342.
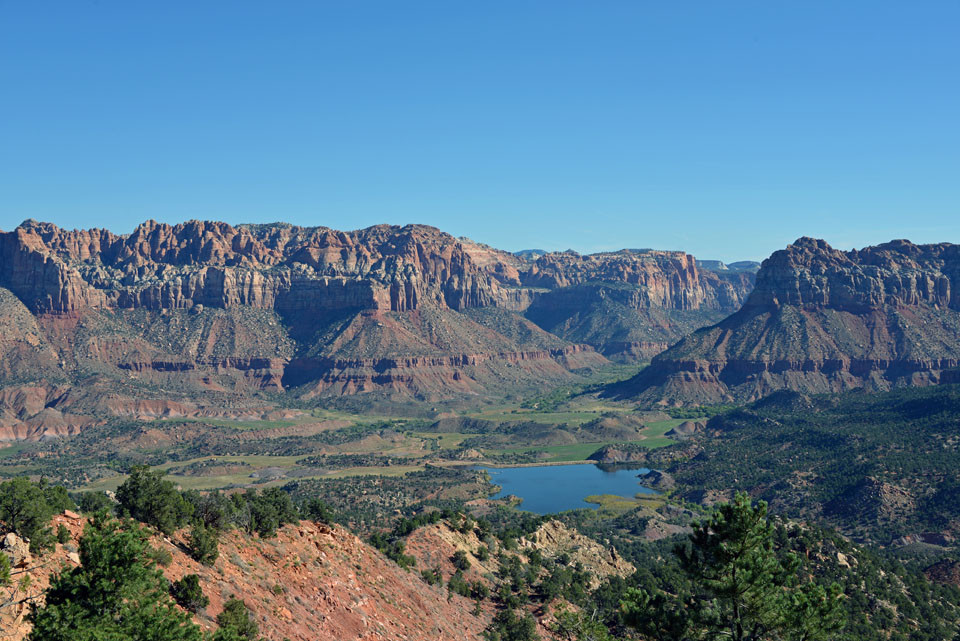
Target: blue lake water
x=547, y=489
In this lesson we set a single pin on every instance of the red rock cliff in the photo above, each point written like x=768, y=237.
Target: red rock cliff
x=278, y=267
x=822, y=320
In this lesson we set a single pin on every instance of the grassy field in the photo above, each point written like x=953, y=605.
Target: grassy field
x=393, y=470
x=558, y=453
x=314, y=416
x=654, y=433
x=613, y=504
x=659, y=428
x=12, y=450
x=415, y=443
x=257, y=462
x=445, y=440
x=570, y=417
x=239, y=424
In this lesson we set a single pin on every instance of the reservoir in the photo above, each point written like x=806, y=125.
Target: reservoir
x=546, y=489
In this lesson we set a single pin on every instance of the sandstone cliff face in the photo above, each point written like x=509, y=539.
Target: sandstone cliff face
x=822, y=320
x=233, y=311
x=303, y=270
x=810, y=273
x=207, y=307
x=669, y=280
x=630, y=305
x=289, y=269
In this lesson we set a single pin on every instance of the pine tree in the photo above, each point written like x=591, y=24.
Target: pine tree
x=577, y=626
x=203, y=545
x=115, y=594
x=147, y=497
x=25, y=511
x=742, y=590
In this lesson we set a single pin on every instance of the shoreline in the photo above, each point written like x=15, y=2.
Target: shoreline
x=504, y=465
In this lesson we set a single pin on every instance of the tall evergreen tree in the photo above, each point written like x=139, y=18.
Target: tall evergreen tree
x=742, y=589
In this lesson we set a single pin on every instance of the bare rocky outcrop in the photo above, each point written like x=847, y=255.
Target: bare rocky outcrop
x=822, y=320
x=16, y=549
x=295, y=270
x=209, y=307
x=666, y=279
x=613, y=454
x=309, y=582
x=553, y=538
x=434, y=545
x=686, y=429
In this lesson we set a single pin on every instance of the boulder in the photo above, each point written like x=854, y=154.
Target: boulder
x=16, y=548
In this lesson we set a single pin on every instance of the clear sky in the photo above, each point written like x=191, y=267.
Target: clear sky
x=726, y=129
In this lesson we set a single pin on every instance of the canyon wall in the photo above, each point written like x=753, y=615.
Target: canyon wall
x=630, y=305
x=237, y=312
x=822, y=320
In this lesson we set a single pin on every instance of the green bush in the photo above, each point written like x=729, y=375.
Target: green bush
x=508, y=626
x=235, y=622
x=203, y=545
x=215, y=511
x=160, y=556
x=393, y=549
x=264, y=512
x=25, y=510
x=57, y=497
x=92, y=502
x=460, y=560
x=479, y=590
x=318, y=511
x=432, y=577
x=188, y=594
x=4, y=570
x=148, y=498
x=458, y=585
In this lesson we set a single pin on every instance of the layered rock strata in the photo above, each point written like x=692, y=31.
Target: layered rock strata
x=822, y=320
x=630, y=305
x=239, y=311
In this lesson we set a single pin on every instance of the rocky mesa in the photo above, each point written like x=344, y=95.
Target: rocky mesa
x=822, y=320
x=239, y=313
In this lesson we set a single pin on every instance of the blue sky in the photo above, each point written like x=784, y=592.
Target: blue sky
x=726, y=129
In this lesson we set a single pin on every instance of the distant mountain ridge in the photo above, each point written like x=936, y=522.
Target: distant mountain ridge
x=237, y=312
x=739, y=266
x=630, y=304
x=822, y=320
